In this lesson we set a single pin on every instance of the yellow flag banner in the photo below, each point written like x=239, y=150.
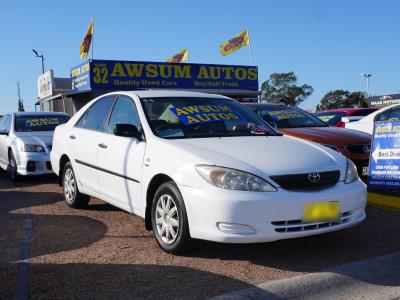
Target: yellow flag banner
x=182, y=56
x=85, y=45
x=235, y=43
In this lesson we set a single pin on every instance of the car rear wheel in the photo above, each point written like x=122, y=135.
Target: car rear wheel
x=73, y=197
x=12, y=168
x=169, y=219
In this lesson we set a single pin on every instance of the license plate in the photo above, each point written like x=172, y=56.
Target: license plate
x=321, y=212
x=365, y=171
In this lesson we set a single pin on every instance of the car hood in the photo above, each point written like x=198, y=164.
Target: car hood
x=329, y=135
x=39, y=138
x=272, y=155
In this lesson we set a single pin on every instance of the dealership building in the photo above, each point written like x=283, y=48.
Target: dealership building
x=97, y=77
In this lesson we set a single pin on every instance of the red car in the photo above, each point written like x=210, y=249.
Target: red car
x=334, y=116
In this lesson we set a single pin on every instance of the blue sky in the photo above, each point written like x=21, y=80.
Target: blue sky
x=326, y=43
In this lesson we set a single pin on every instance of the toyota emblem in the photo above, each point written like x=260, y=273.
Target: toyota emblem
x=314, y=177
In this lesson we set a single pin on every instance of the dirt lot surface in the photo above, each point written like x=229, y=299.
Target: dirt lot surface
x=103, y=252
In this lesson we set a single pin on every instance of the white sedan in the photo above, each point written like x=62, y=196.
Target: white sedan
x=26, y=140
x=366, y=124
x=201, y=166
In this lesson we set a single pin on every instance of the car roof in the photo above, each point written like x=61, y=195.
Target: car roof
x=266, y=105
x=166, y=93
x=372, y=115
x=39, y=113
x=351, y=109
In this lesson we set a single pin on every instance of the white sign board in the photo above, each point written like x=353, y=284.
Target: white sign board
x=45, y=84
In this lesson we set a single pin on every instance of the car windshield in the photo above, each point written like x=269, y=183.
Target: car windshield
x=39, y=122
x=287, y=117
x=181, y=117
x=332, y=118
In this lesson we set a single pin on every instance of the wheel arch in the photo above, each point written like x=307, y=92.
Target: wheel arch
x=63, y=161
x=11, y=149
x=155, y=182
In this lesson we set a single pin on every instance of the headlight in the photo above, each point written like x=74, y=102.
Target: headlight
x=32, y=148
x=332, y=147
x=233, y=179
x=351, y=172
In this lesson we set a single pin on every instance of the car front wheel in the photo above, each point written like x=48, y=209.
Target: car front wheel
x=73, y=197
x=12, y=168
x=169, y=219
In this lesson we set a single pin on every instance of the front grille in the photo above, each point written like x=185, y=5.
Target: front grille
x=48, y=165
x=302, y=181
x=299, y=225
x=358, y=149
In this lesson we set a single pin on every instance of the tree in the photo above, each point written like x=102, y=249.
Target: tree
x=282, y=86
x=342, y=99
x=20, y=102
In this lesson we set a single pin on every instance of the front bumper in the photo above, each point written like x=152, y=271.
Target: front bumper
x=271, y=215
x=31, y=163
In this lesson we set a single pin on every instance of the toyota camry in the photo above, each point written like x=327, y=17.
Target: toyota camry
x=202, y=166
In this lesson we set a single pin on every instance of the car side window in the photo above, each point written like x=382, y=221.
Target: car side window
x=2, y=119
x=5, y=124
x=384, y=116
x=97, y=115
x=124, y=112
x=395, y=114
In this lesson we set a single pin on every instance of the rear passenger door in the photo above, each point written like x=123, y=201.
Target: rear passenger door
x=121, y=158
x=83, y=143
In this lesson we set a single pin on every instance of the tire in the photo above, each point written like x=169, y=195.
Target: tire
x=168, y=216
x=73, y=197
x=12, y=167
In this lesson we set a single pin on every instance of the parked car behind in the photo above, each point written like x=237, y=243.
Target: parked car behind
x=334, y=116
x=202, y=166
x=366, y=124
x=26, y=140
x=296, y=122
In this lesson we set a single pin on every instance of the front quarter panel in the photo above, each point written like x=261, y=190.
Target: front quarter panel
x=163, y=158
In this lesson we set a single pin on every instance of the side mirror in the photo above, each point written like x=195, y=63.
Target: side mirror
x=351, y=119
x=127, y=130
x=345, y=120
x=4, y=132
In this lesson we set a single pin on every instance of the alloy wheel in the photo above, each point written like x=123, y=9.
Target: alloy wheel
x=13, y=166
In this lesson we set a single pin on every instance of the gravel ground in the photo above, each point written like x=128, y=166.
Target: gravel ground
x=102, y=252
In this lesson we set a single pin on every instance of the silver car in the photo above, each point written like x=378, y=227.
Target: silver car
x=26, y=140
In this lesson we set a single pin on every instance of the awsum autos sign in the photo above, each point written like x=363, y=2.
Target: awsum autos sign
x=127, y=75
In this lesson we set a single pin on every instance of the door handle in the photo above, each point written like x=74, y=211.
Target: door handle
x=104, y=146
x=72, y=137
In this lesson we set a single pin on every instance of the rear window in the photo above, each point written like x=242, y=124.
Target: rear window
x=39, y=123
x=364, y=112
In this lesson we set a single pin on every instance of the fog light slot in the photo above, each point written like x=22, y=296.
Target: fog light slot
x=235, y=228
x=31, y=166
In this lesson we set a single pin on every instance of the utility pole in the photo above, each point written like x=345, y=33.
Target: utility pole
x=20, y=102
